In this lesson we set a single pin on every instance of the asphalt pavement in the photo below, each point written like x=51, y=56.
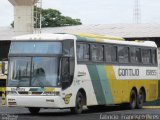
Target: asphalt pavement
x=109, y=113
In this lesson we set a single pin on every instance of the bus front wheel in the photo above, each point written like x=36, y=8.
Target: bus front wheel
x=79, y=104
x=34, y=110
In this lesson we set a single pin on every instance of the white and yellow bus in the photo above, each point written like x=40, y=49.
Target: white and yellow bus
x=72, y=71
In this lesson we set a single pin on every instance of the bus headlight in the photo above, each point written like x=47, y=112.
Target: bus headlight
x=54, y=93
x=11, y=93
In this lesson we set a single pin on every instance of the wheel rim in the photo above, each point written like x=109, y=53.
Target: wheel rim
x=79, y=102
x=141, y=97
x=133, y=100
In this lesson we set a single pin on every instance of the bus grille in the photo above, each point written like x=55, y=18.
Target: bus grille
x=29, y=93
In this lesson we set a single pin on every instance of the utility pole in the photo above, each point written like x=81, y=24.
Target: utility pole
x=38, y=16
x=137, y=12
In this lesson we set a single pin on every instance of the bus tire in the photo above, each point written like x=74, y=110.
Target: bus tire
x=34, y=110
x=140, y=99
x=79, y=104
x=133, y=99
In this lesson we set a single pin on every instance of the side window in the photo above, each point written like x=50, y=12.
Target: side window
x=110, y=53
x=146, y=56
x=97, y=53
x=86, y=52
x=68, y=47
x=135, y=55
x=71, y=66
x=123, y=54
x=154, y=56
x=82, y=52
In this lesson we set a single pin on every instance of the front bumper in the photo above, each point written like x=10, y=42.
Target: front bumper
x=36, y=101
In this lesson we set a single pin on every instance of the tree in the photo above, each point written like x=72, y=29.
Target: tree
x=53, y=18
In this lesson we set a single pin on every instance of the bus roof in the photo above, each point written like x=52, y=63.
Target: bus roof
x=134, y=43
x=83, y=37
x=31, y=37
x=61, y=36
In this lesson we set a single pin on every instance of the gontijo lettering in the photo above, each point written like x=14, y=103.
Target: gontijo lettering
x=128, y=72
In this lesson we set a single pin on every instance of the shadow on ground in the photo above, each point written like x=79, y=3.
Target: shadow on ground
x=67, y=112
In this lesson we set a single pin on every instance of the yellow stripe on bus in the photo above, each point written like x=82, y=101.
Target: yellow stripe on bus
x=94, y=36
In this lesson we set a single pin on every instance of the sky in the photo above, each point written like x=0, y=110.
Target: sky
x=93, y=11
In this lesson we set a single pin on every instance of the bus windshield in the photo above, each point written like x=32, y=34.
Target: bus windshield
x=33, y=71
x=36, y=47
x=34, y=63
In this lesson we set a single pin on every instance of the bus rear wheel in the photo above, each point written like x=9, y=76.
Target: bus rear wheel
x=133, y=99
x=34, y=110
x=79, y=104
x=140, y=99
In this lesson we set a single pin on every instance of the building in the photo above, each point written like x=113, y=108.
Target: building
x=127, y=31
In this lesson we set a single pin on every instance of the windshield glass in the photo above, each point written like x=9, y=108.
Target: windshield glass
x=33, y=71
x=36, y=47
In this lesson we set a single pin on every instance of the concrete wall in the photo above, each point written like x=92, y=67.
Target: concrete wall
x=23, y=16
x=23, y=20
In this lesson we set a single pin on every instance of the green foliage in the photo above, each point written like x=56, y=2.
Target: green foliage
x=52, y=18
